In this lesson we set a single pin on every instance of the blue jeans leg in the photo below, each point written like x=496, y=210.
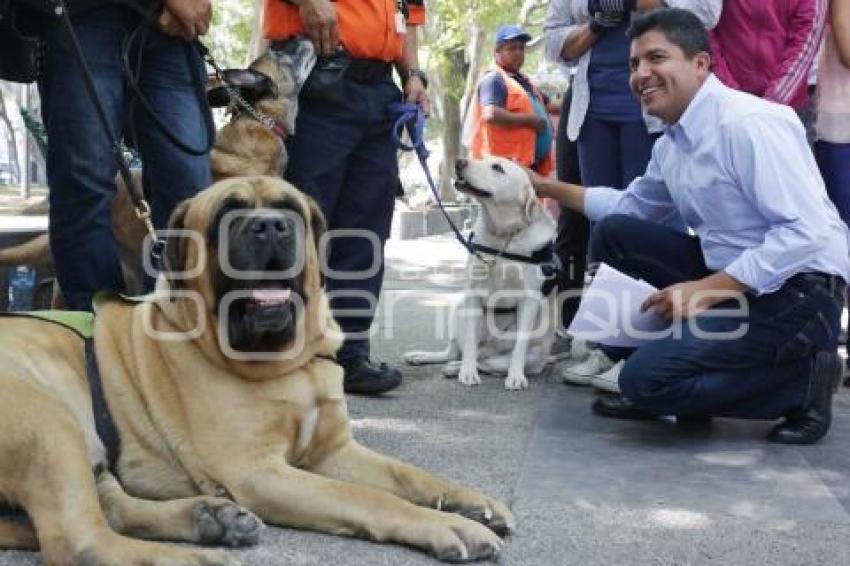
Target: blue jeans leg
x=661, y=256
x=754, y=363
x=173, y=78
x=344, y=157
x=657, y=254
x=611, y=154
x=80, y=168
x=834, y=163
x=635, y=150
x=599, y=153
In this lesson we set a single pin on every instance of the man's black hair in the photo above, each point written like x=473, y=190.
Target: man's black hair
x=680, y=27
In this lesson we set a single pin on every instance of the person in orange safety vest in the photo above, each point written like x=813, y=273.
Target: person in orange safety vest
x=510, y=116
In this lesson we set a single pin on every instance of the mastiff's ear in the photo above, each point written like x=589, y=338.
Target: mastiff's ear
x=318, y=226
x=176, y=247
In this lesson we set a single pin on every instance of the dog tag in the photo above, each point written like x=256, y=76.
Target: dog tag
x=400, y=23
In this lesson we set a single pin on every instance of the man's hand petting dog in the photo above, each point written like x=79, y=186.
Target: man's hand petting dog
x=542, y=185
x=186, y=18
x=690, y=298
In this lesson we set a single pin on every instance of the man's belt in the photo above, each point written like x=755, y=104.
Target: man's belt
x=368, y=71
x=833, y=283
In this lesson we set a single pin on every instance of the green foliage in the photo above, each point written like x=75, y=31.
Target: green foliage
x=450, y=28
x=230, y=33
x=35, y=129
x=454, y=18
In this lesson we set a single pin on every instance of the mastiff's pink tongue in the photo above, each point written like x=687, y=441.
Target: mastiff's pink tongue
x=271, y=297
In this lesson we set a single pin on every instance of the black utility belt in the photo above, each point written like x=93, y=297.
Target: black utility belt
x=368, y=71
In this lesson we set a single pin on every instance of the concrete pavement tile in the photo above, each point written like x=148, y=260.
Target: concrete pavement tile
x=597, y=535
x=578, y=456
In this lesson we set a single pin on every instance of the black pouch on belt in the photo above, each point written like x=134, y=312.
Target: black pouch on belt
x=326, y=81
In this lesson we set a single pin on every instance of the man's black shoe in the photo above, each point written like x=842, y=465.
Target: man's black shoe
x=812, y=422
x=364, y=378
x=619, y=407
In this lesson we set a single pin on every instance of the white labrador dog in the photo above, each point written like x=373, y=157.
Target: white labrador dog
x=504, y=324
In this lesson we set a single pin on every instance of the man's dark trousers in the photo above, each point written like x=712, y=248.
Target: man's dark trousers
x=573, y=227
x=763, y=374
x=343, y=155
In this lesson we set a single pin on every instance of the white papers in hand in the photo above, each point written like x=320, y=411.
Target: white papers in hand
x=610, y=314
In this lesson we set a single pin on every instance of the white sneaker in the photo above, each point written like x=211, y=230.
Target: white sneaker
x=609, y=380
x=580, y=374
x=565, y=347
x=579, y=350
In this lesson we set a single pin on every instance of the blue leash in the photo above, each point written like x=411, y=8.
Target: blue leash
x=409, y=115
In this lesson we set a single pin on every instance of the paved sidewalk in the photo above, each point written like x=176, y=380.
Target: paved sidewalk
x=586, y=490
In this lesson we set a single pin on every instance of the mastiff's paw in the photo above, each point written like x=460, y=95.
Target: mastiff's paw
x=223, y=522
x=456, y=539
x=485, y=510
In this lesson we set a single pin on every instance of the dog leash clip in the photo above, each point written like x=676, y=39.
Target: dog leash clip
x=158, y=254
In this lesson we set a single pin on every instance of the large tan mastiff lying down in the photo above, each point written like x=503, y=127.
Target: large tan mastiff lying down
x=208, y=439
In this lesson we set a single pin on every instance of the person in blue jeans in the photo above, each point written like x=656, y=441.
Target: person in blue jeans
x=832, y=122
x=80, y=167
x=754, y=295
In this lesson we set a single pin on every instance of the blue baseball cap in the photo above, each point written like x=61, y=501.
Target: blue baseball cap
x=509, y=32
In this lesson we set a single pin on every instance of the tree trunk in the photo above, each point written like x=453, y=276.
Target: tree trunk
x=474, y=57
x=452, y=125
x=11, y=141
x=528, y=7
x=257, y=44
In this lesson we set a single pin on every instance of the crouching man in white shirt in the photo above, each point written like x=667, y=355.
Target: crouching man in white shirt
x=738, y=172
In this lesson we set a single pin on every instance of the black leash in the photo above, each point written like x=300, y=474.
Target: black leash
x=134, y=45
x=140, y=205
x=410, y=116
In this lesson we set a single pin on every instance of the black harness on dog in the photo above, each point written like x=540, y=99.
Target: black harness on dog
x=103, y=422
x=545, y=257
